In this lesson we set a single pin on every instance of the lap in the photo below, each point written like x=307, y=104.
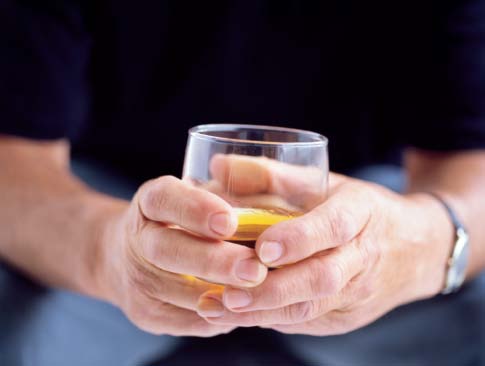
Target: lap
x=445, y=330
x=50, y=327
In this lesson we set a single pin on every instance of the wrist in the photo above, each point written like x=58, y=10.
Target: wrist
x=458, y=259
x=100, y=257
x=437, y=238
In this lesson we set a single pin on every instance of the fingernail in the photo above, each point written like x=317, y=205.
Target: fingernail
x=210, y=308
x=221, y=223
x=249, y=270
x=234, y=298
x=270, y=251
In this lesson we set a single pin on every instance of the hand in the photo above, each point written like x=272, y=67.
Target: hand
x=360, y=254
x=156, y=252
x=262, y=182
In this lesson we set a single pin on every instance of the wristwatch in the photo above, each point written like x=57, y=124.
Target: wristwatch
x=457, y=263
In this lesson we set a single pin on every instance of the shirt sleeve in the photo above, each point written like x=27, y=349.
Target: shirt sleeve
x=448, y=94
x=44, y=50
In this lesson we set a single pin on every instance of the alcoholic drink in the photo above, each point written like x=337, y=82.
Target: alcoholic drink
x=253, y=221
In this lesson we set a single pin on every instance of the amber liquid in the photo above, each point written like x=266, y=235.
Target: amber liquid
x=253, y=221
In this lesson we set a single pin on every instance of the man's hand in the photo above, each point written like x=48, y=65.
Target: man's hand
x=350, y=260
x=155, y=254
x=148, y=257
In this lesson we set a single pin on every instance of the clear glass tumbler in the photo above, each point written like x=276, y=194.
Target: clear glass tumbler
x=268, y=174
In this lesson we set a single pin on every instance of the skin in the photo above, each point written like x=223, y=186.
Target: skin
x=132, y=254
x=361, y=252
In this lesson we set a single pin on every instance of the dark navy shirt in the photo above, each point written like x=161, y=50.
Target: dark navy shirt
x=124, y=80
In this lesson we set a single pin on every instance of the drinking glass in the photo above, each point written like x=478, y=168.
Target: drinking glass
x=267, y=174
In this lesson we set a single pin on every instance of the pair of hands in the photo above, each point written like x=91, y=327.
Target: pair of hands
x=349, y=260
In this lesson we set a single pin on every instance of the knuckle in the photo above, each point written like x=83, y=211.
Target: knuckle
x=139, y=299
x=142, y=284
x=213, y=263
x=372, y=193
x=197, y=207
x=226, y=268
x=178, y=214
x=339, y=225
x=218, y=265
x=167, y=181
x=150, y=246
x=316, y=282
x=371, y=190
x=332, y=277
x=153, y=199
x=173, y=252
x=302, y=233
x=275, y=292
x=332, y=223
x=255, y=318
x=370, y=252
x=150, y=237
x=325, y=278
x=161, y=248
x=299, y=312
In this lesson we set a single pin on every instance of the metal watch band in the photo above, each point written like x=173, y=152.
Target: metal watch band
x=456, y=269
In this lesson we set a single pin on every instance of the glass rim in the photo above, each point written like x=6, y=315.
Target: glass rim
x=198, y=131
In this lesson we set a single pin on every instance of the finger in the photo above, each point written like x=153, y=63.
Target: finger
x=241, y=174
x=317, y=277
x=162, y=318
x=335, y=222
x=211, y=308
x=251, y=175
x=182, y=291
x=169, y=200
x=334, y=322
x=258, y=200
x=245, y=175
x=180, y=252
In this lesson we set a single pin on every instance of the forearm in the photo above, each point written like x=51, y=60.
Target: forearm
x=460, y=179
x=49, y=221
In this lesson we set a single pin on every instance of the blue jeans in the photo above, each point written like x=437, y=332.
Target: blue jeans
x=41, y=326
